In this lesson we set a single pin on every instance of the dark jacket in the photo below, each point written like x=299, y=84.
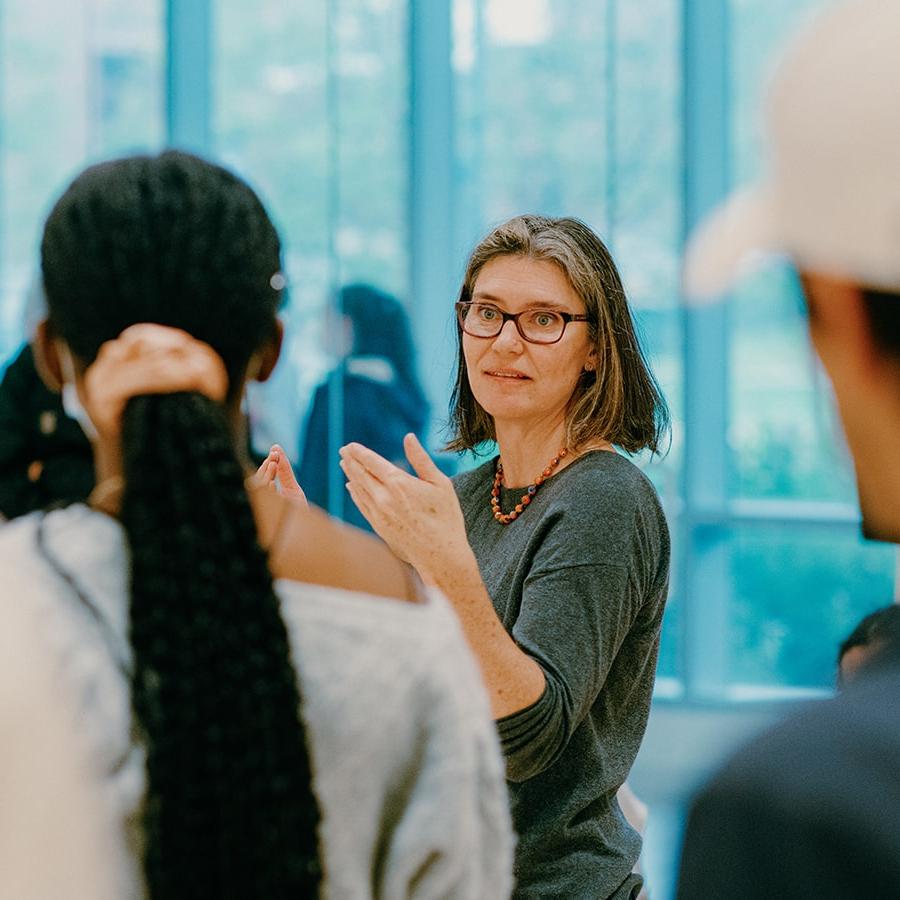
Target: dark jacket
x=379, y=410
x=44, y=455
x=809, y=810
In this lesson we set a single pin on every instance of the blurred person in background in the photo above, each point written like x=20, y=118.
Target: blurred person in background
x=322, y=738
x=44, y=454
x=812, y=808
x=555, y=552
x=383, y=399
x=875, y=638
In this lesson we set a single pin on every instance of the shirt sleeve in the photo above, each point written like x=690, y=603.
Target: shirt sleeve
x=572, y=622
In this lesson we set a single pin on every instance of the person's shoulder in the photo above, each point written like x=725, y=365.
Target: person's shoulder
x=613, y=474
x=44, y=553
x=391, y=696
x=855, y=734
x=810, y=807
x=607, y=489
x=76, y=522
x=20, y=537
x=19, y=559
x=357, y=653
x=362, y=629
x=20, y=371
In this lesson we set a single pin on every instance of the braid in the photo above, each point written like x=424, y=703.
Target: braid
x=230, y=811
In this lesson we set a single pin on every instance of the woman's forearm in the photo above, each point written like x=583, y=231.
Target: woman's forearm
x=513, y=679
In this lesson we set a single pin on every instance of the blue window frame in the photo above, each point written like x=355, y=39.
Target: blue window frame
x=387, y=135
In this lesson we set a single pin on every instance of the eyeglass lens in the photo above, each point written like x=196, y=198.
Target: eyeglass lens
x=537, y=325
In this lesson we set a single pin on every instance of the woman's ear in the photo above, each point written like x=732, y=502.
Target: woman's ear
x=46, y=357
x=269, y=353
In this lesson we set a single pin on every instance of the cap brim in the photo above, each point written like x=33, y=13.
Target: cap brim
x=731, y=240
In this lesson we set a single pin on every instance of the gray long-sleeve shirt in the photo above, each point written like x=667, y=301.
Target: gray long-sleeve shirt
x=580, y=581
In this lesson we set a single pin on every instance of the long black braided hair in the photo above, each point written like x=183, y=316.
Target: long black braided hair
x=175, y=240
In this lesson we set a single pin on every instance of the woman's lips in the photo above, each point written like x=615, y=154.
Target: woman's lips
x=507, y=374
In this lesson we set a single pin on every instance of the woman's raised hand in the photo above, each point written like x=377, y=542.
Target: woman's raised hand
x=148, y=359
x=418, y=516
x=276, y=472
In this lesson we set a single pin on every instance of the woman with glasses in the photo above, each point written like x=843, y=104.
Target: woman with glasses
x=555, y=551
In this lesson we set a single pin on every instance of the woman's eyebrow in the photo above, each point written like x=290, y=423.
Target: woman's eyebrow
x=482, y=296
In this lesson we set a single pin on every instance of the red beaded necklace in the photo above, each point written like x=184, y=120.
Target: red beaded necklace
x=506, y=518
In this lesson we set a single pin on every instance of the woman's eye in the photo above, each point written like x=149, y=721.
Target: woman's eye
x=544, y=319
x=487, y=313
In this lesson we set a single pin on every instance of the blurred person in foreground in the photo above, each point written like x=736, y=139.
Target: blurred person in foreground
x=812, y=809
x=875, y=638
x=382, y=398
x=327, y=736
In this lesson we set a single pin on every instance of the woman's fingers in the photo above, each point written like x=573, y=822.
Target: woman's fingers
x=354, y=470
x=375, y=465
x=149, y=359
x=265, y=474
x=290, y=487
x=422, y=464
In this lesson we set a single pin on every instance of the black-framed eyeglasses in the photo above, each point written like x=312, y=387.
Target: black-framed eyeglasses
x=537, y=326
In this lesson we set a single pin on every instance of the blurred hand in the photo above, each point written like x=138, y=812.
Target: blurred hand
x=148, y=359
x=418, y=515
x=276, y=473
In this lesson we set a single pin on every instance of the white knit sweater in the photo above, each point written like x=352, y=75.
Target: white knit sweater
x=406, y=765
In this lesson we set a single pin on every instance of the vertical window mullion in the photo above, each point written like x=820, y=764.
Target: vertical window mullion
x=705, y=582
x=189, y=74
x=433, y=270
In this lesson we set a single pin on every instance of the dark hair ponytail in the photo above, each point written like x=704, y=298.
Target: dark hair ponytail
x=229, y=809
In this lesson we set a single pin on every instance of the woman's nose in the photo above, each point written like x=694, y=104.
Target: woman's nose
x=509, y=336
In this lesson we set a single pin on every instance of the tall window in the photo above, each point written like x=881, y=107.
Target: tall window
x=801, y=576
x=581, y=108
x=310, y=103
x=572, y=108
x=80, y=80
x=635, y=117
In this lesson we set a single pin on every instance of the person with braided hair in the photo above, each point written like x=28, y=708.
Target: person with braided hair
x=262, y=720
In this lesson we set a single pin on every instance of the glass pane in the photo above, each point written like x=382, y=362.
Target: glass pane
x=81, y=80
x=644, y=196
x=574, y=108
x=782, y=426
x=270, y=121
x=797, y=593
x=759, y=31
x=533, y=111
x=784, y=433
x=311, y=105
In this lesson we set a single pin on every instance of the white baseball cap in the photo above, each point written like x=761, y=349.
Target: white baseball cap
x=831, y=200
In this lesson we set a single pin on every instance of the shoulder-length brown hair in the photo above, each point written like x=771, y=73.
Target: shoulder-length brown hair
x=620, y=401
